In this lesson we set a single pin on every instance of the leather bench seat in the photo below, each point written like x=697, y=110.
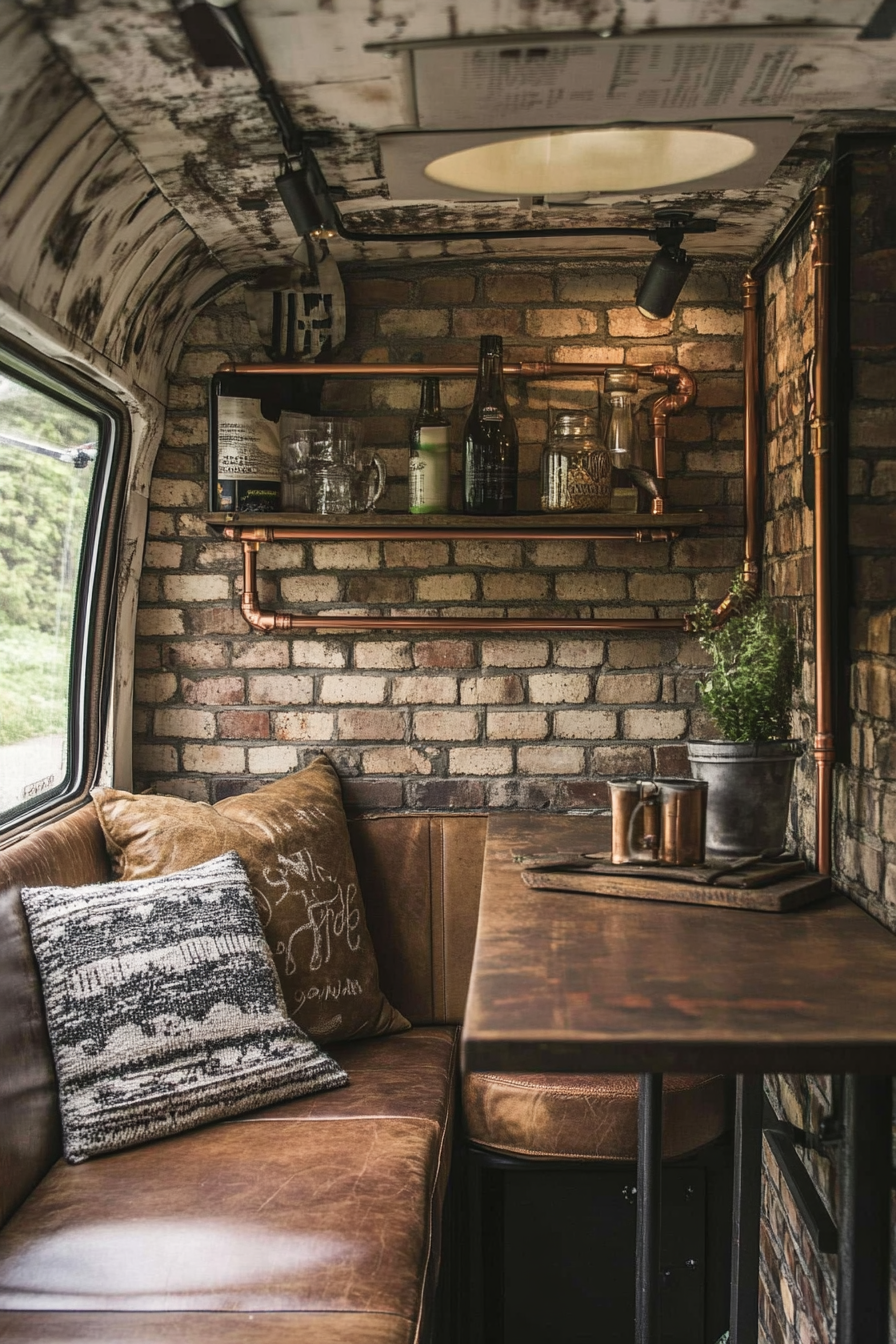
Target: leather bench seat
x=313, y=1220
x=587, y=1116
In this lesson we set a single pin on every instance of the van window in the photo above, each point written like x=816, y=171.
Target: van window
x=56, y=452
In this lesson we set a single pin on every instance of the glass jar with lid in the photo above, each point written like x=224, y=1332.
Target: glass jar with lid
x=575, y=466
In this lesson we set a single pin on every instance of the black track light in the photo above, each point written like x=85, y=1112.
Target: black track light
x=303, y=190
x=670, y=268
x=663, y=282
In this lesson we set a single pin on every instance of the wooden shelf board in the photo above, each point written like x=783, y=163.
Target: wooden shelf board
x=461, y=523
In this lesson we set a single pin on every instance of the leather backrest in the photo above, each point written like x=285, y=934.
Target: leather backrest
x=72, y=852
x=420, y=877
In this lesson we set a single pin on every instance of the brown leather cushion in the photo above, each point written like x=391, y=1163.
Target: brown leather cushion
x=588, y=1115
x=296, y=1209
x=293, y=838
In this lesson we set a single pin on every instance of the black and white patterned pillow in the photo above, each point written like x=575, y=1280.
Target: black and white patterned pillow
x=164, y=1007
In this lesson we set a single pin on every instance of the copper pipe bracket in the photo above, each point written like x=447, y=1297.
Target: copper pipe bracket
x=820, y=436
x=267, y=622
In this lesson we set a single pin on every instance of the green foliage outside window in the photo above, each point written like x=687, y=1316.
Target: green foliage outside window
x=43, y=503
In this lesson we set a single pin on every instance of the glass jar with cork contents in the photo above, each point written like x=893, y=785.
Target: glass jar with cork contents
x=575, y=466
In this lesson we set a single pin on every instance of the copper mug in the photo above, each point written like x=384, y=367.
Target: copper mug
x=658, y=821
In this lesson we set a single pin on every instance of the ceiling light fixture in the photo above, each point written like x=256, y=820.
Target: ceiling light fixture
x=303, y=190
x=311, y=202
x=670, y=268
x=614, y=158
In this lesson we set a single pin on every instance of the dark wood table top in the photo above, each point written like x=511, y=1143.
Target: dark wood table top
x=564, y=981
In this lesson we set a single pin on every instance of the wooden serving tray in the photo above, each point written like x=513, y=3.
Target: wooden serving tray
x=788, y=894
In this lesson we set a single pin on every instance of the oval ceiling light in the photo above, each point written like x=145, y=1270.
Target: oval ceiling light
x=624, y=158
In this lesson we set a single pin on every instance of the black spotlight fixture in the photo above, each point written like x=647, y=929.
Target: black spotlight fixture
x=670, y=268
x=309, y=204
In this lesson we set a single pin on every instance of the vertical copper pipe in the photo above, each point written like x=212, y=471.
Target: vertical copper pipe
x=820, y=426
x=682, y=390
x=752, y=525
x=752, y=561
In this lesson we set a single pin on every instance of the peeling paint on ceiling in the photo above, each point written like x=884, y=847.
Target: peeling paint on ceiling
x=207, y=140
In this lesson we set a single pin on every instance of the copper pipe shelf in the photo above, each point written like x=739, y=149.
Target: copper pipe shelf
x=255, y=529
x=640, y=527
x=265, y=622
x=661, y=373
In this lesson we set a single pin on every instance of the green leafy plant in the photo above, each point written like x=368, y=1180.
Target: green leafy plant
x=749, y=689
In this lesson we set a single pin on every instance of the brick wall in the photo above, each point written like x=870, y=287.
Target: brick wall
x=865, y=842
x=799, y=1284
x=426, y=721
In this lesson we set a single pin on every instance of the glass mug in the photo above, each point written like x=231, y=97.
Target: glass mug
x=343, y=477
x=324, y=468
x=346, y=487
x=296, y=437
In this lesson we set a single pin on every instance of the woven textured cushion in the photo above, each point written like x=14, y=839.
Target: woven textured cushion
x=293, y=838
x=588, y=1115
x=163, y=1007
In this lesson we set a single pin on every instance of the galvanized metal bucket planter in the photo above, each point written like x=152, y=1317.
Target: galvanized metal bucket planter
x=749, y=793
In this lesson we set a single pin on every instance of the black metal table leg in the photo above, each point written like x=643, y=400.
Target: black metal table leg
x=650, y=1175
x=863, y=1267
x=744, y=1315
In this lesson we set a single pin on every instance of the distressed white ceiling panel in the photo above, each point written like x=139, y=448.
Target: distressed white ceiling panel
x=92, y=250
x=207, y=140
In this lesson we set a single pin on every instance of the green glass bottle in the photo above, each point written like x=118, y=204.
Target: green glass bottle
x=429, y=475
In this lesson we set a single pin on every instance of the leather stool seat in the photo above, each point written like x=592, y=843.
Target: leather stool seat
x=588, y=1115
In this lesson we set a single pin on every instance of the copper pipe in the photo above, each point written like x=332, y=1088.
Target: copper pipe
x=820, y=428
x=527, y=369
x=752, y=519
x=238, y=532
x=682, y=390
x=267, y=621
x=752, y=523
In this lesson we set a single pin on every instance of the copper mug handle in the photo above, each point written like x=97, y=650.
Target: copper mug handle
x=631, y=799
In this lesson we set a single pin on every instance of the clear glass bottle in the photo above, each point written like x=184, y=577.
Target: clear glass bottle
x=491, y=446
x=429, y=473
x=622, y=442
x=575, y=469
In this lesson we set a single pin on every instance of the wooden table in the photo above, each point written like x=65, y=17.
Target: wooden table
x=568, y=982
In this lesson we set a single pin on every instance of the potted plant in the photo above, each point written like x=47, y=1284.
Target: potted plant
x=749, y=693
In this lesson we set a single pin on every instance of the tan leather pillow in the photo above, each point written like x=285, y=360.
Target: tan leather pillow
x=293, y=839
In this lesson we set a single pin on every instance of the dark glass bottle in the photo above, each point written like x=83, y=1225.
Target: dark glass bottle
x=429, y=475
x=491, y=446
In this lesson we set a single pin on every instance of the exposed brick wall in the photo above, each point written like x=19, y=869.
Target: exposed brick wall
x=799, y=1284
x=865, y=849
x=433, y=721
x=788, y=337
